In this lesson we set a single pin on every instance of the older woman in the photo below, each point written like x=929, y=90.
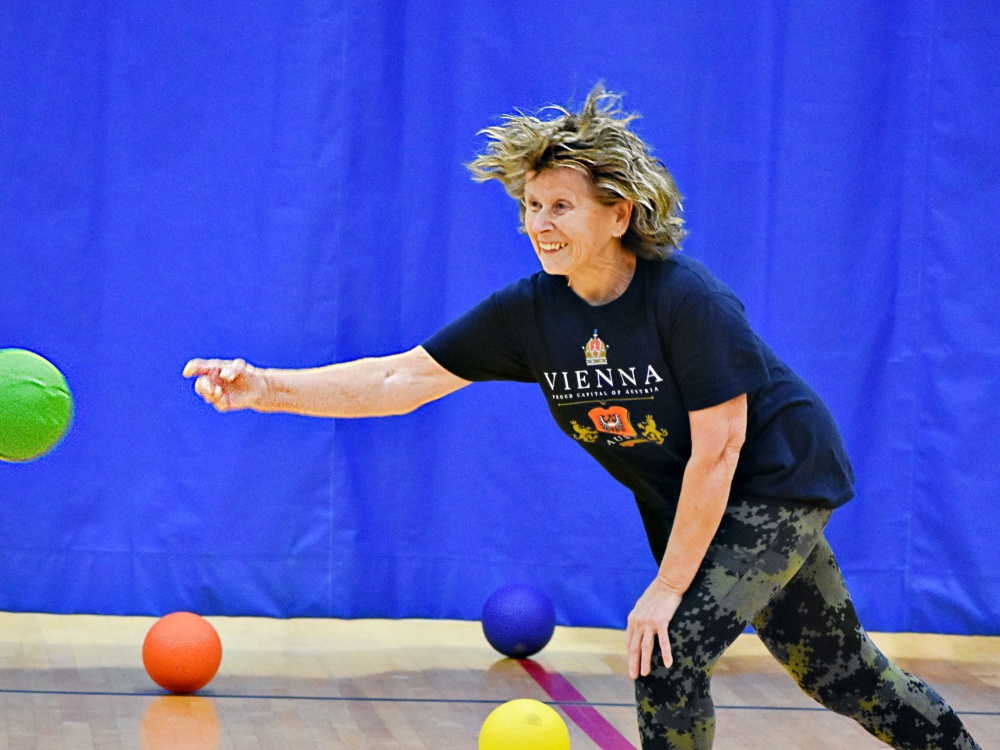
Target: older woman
x=647, y=361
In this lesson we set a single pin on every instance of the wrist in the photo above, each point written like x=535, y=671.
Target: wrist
x=265, y=400
x=665, y=584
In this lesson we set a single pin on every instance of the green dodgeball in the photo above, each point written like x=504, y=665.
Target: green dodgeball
x=36, y=405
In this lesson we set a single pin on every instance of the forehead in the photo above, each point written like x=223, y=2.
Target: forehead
x=558, y=180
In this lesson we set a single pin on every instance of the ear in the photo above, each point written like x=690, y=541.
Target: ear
x=623, y=215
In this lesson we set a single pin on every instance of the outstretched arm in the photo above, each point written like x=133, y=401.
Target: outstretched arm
x=371, y=387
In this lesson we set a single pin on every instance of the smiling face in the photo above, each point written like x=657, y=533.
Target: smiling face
x=574, y=235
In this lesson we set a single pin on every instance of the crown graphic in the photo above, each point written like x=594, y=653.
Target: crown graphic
x=596, y=351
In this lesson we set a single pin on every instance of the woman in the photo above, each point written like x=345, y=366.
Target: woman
x=648, y=362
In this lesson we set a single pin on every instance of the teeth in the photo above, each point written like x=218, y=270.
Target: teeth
x=549, y=246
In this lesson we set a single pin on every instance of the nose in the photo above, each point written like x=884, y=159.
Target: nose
x=540, y=221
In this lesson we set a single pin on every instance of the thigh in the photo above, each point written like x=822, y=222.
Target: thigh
x=812, y=628
x=756, y=551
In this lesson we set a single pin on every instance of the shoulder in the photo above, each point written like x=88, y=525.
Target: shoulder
x=684, y=273
x=681, y=279
x=686, y=297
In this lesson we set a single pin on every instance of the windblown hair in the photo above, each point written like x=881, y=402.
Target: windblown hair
x=597, y=142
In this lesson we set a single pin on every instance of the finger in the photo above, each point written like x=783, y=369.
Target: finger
x=205, y=387
x=647, y=651
x=668, y=656
x=634, y=653
x=201, y=367
x=231, y=370
x=202, y=386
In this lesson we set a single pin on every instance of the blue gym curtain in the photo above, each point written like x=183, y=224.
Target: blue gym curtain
x=284, y=181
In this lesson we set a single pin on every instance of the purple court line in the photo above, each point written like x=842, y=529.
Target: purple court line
x=586, y=717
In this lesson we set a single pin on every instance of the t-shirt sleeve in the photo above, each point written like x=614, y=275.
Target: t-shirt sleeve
x=712, y=351
x=479, y=345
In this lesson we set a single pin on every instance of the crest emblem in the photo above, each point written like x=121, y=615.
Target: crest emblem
x=613, y=420
x=596, y=351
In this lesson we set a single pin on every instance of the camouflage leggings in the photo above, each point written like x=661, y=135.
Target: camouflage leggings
x=770, y=566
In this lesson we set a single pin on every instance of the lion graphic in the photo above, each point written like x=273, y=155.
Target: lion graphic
x=650, y=432
x=584, y=434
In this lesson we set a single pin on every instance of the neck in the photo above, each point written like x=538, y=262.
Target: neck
x=605, y=281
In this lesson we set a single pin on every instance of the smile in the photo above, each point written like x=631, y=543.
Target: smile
x=551, y=247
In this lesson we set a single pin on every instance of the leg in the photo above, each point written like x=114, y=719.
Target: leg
x=756, y=551
x=811, y=627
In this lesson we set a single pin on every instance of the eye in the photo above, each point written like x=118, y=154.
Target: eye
x=561, y=207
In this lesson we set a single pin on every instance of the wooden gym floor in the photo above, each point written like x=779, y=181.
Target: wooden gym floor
x=78, y=682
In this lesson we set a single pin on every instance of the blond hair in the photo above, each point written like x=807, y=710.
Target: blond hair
x=597, y=142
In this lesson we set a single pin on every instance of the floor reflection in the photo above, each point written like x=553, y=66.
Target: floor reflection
x=180, y=722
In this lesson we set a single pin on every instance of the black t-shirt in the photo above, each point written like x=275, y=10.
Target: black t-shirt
x=620, y=379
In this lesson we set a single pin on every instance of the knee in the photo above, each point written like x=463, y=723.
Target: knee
x=684, y=685
x=841, y=699
x=674, y=708
x=850, y=687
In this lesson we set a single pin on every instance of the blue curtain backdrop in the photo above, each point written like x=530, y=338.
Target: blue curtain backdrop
x=283, y=180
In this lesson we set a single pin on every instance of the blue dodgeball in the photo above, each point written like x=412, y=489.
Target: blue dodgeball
x=518, y=620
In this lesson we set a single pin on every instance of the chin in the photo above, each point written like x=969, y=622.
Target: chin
x=553, y=266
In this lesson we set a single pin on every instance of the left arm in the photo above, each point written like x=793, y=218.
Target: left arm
x=717, y=435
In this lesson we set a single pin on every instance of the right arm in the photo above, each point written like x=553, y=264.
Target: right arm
x=370, y=387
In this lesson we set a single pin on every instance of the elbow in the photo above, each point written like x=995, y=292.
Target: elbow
x=733, y=446
x=731, y=456
x=398, y=393
x=399, y=410
x=717, y=437
x=720, y=459
x=722, y=463
x=408, y=381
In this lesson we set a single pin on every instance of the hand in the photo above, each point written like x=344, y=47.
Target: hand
x=227, y=384
x=649, y=620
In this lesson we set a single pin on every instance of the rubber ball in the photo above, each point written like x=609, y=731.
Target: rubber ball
x=518, y=620
x=36, y=406
x=524, y=724
x=182, y=652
